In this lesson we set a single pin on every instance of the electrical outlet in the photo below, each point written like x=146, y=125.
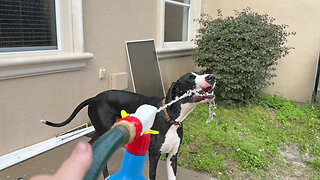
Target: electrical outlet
x=102, y=73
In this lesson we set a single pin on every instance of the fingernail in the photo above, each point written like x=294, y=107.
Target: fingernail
x=82, y=147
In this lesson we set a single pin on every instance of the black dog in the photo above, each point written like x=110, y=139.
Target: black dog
x=104, y=109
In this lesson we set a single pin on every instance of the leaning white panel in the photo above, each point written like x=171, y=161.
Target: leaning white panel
x=36, y=149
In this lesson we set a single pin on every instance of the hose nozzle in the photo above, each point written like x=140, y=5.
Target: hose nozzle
x=146, y=114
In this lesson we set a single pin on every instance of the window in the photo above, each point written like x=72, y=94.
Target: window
x=27, y=25
x=176, y=28
x=41, y=37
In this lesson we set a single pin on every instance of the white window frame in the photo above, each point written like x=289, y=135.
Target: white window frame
x=188, y=26
x=69, y=56
x=168, y=50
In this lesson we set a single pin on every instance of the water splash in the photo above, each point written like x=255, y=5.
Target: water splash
x=212, y=104
x=212, y=107
x=188, y=93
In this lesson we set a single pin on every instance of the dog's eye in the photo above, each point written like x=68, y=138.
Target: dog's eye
x=192, y=76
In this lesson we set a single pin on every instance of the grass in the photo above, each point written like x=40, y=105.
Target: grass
x=270, y=138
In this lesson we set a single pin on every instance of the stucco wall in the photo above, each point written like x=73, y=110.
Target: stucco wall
x=172, y=69
x=296, y=72
x=107, y=25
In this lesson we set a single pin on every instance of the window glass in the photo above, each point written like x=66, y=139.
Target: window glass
x=27, y=25
x=176, y=23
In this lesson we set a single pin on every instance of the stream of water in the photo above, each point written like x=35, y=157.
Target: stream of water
x=212, y=104
x=188, y=93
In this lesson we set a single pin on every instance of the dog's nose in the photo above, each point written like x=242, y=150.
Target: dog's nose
x=210, y=79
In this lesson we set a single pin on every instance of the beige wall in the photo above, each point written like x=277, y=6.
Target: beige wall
x=107, y=25
x=296, y=72
x=172, y=69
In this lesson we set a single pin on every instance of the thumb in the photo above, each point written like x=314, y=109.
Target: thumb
x=77, y=165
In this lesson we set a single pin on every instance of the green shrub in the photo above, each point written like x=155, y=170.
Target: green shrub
x=241, y=51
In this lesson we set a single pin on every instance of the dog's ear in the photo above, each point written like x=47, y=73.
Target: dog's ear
x=172, y=92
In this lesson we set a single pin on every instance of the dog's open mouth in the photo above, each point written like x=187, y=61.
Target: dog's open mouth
x=204, y=95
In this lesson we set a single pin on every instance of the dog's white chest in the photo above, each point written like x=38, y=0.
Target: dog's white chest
x=171, y=142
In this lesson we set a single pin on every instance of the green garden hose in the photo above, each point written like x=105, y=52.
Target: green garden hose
x=124, y=131
x=104, y=147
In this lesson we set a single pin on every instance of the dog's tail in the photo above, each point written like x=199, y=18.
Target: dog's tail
x=74, y=113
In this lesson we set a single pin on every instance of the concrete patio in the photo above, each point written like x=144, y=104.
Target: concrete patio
x=47, y=163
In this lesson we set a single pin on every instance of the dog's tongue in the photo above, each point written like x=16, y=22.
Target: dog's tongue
x=205, y=90
x=208, y=88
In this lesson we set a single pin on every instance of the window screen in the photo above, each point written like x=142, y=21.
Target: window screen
x=27, y=25
x=144, y=66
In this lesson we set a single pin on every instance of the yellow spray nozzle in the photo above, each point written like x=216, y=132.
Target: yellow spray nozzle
x=152, y=132
x=124, y=114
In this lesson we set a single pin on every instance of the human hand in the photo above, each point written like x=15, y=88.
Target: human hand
x=75, y=167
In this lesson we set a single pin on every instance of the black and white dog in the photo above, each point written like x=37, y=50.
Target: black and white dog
x=104, y=109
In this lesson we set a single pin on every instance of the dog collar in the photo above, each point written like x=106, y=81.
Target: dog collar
x=166, y=115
